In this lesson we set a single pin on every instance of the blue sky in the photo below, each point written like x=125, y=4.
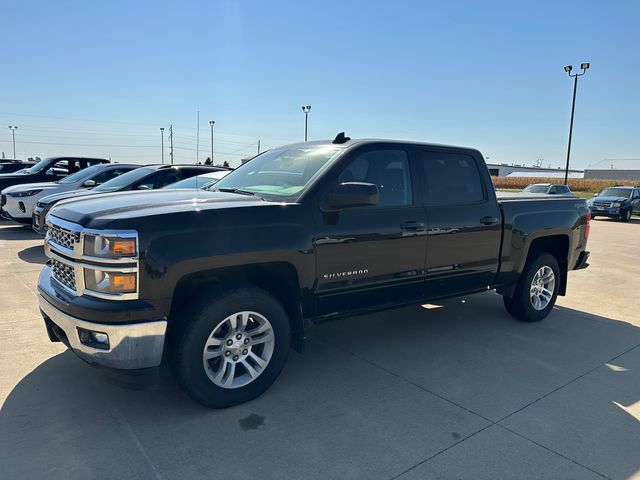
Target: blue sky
x=101, y=78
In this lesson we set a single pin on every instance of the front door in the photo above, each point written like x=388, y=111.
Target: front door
x=464, y=227
x=371, y=256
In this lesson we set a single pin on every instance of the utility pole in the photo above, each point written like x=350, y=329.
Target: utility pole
x=171, y=143
x=258, y=147
x=162, y=144
x=568, y=68
x=198, y=138
x=13, y=134
x=306, y=109
x=211, y=124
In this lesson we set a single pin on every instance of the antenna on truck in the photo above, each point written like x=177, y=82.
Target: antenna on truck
x=341, y=138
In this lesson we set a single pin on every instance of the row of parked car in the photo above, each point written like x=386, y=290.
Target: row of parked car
x=28, y=194
x=619, y=202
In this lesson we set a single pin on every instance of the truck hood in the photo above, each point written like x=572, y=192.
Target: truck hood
x=101, y=209
x=56, y=197
x=609, y=199
x=32, y=186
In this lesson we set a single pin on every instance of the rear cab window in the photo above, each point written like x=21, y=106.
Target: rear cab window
x=451, y=178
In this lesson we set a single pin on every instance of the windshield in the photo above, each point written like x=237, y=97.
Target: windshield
x=536, y=189
x=283, y=172
x=81, y=175
x=616, y=192
x=124, y=180
x=38, y=167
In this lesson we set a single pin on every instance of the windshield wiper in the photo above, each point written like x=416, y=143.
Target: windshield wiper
x=236, y=190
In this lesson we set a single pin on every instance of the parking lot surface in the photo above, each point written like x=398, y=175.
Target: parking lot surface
x=456, y=390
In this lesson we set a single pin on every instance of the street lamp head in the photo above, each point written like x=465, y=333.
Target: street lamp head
x=306, y=108
x=584, y=66
x=212, y=122
x=568, y=68
x=162, y=129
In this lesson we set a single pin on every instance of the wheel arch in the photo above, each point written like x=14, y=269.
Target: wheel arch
x=278, y=278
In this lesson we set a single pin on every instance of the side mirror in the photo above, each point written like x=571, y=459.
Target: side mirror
x=143, y=187
x=89, y=184
x=351, y=194
x=50, y=172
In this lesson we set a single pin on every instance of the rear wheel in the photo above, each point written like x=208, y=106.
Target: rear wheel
x=232, y=348
x=537, y=290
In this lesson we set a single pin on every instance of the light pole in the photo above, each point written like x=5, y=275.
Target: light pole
x=568, y=68
x=162, y=144
x=13, y=134
x=212, y=123
x=306, y=109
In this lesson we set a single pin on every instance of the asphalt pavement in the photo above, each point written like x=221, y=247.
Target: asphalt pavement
x=452, y=390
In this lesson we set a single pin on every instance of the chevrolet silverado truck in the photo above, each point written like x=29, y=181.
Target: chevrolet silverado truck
x=219, y=284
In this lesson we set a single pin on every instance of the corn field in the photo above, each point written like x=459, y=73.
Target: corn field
x=575, y=184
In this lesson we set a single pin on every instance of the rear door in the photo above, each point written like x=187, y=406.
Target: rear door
x=374, y=255
x=464, y=228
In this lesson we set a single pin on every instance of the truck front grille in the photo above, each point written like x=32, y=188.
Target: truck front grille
x=63, y=273
x=603, y=204
x=62, y=237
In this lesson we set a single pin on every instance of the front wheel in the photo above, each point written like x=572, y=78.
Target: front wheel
x=232, y=348
x=626, y=215
x=537, y=290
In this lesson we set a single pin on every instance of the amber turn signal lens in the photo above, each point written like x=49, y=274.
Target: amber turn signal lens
x=123, y=247
x=123, y=282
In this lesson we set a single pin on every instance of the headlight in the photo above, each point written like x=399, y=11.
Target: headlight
x=617, y=204
x=105, y=246
x=28, y=193
x=110, y=282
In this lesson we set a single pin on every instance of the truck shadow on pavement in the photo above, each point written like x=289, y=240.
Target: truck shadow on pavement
x=33, y=254
x=372, y=397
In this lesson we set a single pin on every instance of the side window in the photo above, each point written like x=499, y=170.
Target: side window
x=166, y=177
x=148, y=181
x=451, y=178
x=108, y=175
x=64, y=167
x=553, y=190
x=388, y=169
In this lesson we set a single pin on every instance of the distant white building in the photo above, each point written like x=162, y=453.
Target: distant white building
x=506, y=170
x=546, y=174
x=615, y=169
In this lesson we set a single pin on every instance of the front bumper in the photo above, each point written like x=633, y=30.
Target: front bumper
x=605, y=211
x=131, y=346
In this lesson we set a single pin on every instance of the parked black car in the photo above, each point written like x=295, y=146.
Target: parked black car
x=148, y=177
x=223, y=283
x=10, y=165
x=616, y=202
x=48, y=170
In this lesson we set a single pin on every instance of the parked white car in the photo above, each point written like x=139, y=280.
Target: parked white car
x=19, y=201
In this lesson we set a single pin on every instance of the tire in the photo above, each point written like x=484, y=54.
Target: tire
x=206, y=331
x=625, y=216
x=521, y=305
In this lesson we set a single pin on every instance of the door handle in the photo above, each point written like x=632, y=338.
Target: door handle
x=488, y=220
x=412, y=226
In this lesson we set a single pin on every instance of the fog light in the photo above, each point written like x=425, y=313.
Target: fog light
x=93, y=339
x=21, y=207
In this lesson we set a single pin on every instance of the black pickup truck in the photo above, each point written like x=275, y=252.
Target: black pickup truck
x=220, y=284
